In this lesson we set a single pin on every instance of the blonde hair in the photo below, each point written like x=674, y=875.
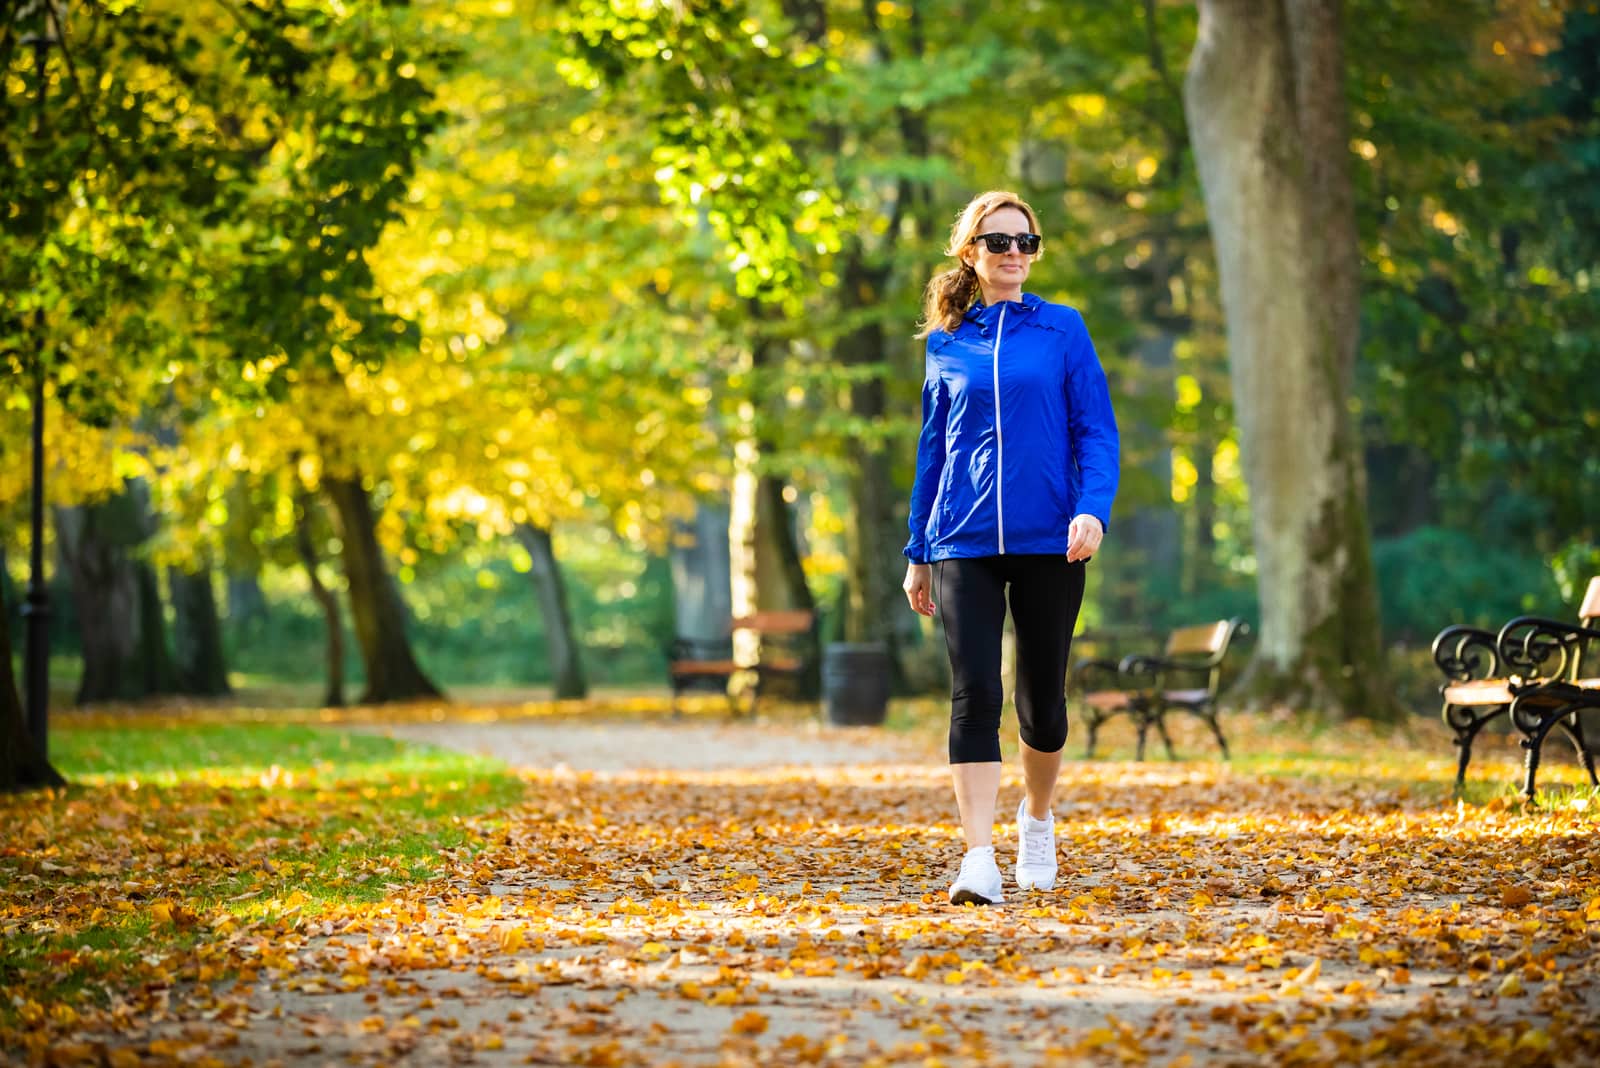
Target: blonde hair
x=950, y=293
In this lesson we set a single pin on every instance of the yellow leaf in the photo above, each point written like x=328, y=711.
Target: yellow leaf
x=1513, y=897
x=751, y=1023
x=1510, y=986
x=1534, y=1039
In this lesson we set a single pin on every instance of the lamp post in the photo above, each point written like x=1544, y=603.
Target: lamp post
x=36, y=609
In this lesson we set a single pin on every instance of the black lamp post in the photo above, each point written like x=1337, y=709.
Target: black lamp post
x=36, y=609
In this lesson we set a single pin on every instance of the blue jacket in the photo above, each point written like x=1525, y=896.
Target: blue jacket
x=1009, y=477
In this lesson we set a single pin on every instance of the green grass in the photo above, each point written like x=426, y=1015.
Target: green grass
x=246, y=820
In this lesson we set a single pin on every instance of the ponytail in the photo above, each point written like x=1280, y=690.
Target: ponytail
x=947, y=299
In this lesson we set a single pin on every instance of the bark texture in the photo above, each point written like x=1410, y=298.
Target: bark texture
x=1265, y=102
x=391, y=668
x=566, y=658
x=197, y=634
x=327, y=600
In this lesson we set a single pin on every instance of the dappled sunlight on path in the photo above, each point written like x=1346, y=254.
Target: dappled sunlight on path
x=793, y=911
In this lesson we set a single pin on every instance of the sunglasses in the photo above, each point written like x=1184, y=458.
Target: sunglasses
x=1027, y=244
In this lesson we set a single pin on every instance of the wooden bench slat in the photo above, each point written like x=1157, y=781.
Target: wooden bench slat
x=1202, y=640
x=795, y=621
x=703, y=667
x=1479, y=692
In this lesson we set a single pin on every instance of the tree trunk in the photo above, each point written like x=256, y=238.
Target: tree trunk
x=765, y=569
x=566, y=658
x=246, y=603
x=197, y=633
x=1265, y=102
x=872, y=528
x=701, y=599
x=392, y=670
x=333, y=695
x=105, y=596
x=20, y=766
x=158, y=674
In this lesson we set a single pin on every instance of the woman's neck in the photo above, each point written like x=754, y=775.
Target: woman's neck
x=995, y=296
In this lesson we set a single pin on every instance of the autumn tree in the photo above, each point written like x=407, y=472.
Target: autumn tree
x=1267, y=113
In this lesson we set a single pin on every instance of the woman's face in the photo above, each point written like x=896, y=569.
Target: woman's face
x=1000, y=270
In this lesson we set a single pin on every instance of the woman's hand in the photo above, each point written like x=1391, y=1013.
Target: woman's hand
x=1083, y=538
x=919, y=588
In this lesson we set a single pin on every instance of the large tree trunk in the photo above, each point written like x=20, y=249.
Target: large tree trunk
x=105, y=593
x=566, y=658
x=197, y=633
x=1265, y=102
x=20, y=766
x=327, y=600
x=392, y=670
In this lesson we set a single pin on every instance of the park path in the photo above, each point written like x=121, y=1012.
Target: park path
x=682, y=893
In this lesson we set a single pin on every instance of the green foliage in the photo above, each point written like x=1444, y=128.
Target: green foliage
x=1480, y=207
x=737, y=101
x=1433, y=577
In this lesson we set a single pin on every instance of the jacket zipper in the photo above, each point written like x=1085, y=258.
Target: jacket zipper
x=1000, y=439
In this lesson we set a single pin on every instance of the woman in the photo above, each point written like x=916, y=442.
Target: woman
x=1016, y=470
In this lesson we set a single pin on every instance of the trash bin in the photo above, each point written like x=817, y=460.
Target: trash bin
x=855, y=683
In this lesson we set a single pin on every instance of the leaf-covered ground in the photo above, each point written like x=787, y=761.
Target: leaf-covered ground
x=217, y=892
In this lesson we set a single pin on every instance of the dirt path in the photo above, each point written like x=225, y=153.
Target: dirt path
x=733, y=894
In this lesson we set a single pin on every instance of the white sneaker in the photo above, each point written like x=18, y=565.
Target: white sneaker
x=979, y=879
x=1036, y=850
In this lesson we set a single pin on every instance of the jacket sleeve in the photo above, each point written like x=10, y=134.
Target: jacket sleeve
x=1092, y=428
x=930, y=459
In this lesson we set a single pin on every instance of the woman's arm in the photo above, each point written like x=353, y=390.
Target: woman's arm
x=1092, y=427
x=930, y=459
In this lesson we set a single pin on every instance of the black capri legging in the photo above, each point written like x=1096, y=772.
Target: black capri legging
x=1046, y=592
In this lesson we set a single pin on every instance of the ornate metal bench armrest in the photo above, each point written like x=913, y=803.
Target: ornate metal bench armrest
x=1083, y=670
x=1142, y=669
x=1539, y=648
x=1465, y=653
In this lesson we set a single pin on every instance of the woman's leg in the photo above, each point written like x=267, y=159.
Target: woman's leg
x=977, y=791
x=1039, y=771
x=1046, y=593
x=972, y=605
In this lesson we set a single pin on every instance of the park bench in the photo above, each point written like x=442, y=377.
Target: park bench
x=785, y=652
x=1184, y=678
x=1532, y=669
